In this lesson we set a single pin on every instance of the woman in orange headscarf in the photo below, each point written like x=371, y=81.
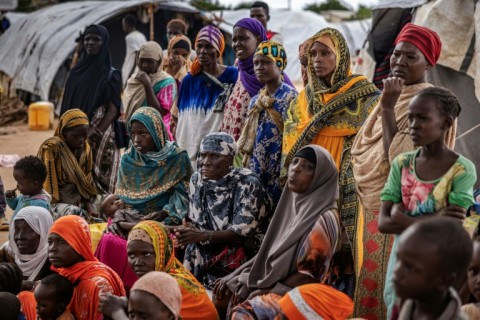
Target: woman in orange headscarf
x=70, y=252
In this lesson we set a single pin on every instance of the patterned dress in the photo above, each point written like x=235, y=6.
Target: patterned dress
x=235, y=202
x=420, y=197
x=267, y=149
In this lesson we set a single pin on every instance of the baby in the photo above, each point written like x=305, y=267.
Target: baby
x=30, y=173
x=53, y=296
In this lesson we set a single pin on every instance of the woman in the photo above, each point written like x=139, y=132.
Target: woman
x=261, y=141
x=202, y=93
x=28, y=242
x=70, y=252
x=94, y=87
x=150, y=86
x=69, y=161
x=329, y=112
x=299, y=245
x=247, y=35
x=177, y=63
x=381, y=139
x=226, y=206
x=151, y=249
x=153, y=179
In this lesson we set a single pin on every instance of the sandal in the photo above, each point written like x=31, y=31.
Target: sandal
x=4, y=224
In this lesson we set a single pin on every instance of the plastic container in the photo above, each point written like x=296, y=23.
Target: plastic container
x=40, y=115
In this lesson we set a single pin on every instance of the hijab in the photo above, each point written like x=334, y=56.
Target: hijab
x=40, y=220
x=87, y=86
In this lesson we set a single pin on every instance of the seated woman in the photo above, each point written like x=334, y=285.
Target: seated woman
x=150, y=86
x=151, y=249
x=153, y=179
x=28, y=242
x=69, y=161
x=70, y=252
x=299, y=245
x=225, y=209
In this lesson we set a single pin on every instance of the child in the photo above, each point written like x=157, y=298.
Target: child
x=429, y=182
x=10, y=306
x=472, y=310
x=53, y=296
x=114, y=209
x=30, y=173
x=431, y=255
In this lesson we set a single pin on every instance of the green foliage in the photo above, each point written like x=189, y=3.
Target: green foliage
x=208, y=5
x=327, y=5
x=363, y=12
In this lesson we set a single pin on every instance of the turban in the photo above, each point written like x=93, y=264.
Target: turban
x=273, y=51
x=213, y=36
x=316, y=301
x=426, y=40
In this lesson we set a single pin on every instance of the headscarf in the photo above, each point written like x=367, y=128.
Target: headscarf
x=219, y=142
x=156, y=234
x=63, y=167
x=426, y=40
x=40, y=220
x=164, y=287
x=274, y=51
x=316, y=302
x=294, y=218
x=148, y=181
x=212, y=35
x=182, y=42
x=87, y=87
x=247, y=75
x=134, y=95
x=76, y=232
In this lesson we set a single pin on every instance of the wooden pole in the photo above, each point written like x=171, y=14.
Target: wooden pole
x=152, y=23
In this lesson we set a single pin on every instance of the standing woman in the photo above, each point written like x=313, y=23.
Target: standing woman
x=150, y=86
x=94, y=87
x=261, y=141
x=329, y=112
x=384, y=136
x=177, y=62
x=202, y=92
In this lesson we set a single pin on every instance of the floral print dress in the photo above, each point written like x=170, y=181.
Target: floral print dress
x=420, y=197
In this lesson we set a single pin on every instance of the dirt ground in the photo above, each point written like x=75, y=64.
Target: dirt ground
x=18, y=139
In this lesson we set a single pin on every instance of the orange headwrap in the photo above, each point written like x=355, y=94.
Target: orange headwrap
x=213, y=36
x=313, y=300
x=426, y=40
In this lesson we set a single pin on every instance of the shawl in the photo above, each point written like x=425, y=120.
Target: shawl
x=187, y=64
x=40, y=220
x=165, y=260
x=164, y=287
x=343, y=106
x=148, y=181
x=63, y=167
x=316, y=302
x=370, y=163
x=134, y=95
x=293, y=219
x=88, y=86
x=91, y=277
x=212, y=35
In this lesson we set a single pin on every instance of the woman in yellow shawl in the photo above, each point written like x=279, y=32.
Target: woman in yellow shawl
x=329, y=112
x=383, y=137
x=69, y=163
x=150, y=86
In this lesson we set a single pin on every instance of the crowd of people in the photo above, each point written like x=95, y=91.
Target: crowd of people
x=224, y=193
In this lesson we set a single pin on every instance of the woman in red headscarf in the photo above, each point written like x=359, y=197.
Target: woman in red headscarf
x=70, y=252
x=384, y=136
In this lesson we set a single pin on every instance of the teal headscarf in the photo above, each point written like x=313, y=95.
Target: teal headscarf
x=155, y=180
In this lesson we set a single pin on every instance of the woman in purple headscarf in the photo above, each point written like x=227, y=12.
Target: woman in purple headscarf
x=248, y=33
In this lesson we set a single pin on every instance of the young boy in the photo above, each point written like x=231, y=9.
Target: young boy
x=431, y=255
x=30, y=173
x=53, y=296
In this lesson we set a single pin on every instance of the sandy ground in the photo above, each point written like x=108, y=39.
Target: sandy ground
x=18, y=139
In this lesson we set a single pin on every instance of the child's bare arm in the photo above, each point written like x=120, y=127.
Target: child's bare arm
x=392, y=220
x=127, y=226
